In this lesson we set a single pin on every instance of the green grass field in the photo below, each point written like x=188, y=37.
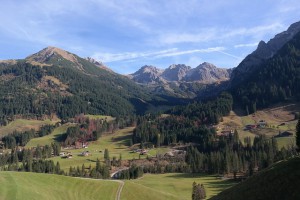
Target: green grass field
x=172, y=186
x=279, y=181
x=116, y=143
x=31, y=186
x=23, y=125
x=48, y=139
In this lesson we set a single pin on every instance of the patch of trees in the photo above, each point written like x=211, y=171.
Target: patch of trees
x=22, y=138
x=276, y=80
x=191, y=123
x=32, y=160
x=91, y=129
x=133, y=172
x=198, y=192
x=229, y=155
x=209, y=112
x=101, y=171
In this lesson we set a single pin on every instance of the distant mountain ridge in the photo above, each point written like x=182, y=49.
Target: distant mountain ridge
x=205, y=73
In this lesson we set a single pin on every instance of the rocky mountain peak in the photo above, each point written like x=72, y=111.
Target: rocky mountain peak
x=175, y=72
x=207, y=73
x=43, y=55
x=206, y=65
x=146, y=74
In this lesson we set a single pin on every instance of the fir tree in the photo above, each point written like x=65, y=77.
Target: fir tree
x=298, y=134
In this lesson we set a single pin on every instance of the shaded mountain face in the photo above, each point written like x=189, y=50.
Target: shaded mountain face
x=276, y=80
x=263, y=52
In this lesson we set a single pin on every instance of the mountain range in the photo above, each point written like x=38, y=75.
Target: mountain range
x=205, y=73
x=54, y=81
x=180, y=80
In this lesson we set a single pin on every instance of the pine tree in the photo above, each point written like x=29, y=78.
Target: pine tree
x=298, y=134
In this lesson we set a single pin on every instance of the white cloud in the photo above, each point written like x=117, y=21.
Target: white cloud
x=109, y=57
x=231, y=55
x=215, y=34
x=246, y=45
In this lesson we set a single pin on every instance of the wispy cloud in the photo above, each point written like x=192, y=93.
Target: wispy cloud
x=109, y=57
x=214, y=34
x=246, y=45
x=231, y=55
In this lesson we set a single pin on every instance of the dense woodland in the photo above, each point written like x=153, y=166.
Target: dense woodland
x=276, y=80
x=191, y=123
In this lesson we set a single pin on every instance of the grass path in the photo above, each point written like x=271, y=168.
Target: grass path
x=120, y=188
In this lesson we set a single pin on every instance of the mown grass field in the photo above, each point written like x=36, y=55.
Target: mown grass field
x=172, y=186
x=116, y=143
x=31, y=186
x=23, y=125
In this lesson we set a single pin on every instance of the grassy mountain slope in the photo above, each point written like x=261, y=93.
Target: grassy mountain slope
x=280, y=181
x=21, y=185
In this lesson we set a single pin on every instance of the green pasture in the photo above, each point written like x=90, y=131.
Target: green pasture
x=31, y=186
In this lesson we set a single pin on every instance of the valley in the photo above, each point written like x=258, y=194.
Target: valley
x=73, y=128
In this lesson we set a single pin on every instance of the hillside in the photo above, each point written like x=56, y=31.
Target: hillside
x=20, y=185
x=280, y=181
x=275, y=80
x=57, y=82
x=263, y=52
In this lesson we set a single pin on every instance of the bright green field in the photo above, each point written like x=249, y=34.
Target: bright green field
x=171, y=186
x=31, y=186
x=23, y=125
x=48, y=139
x=116, y=143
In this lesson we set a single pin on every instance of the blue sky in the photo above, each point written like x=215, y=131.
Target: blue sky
x=128, y=34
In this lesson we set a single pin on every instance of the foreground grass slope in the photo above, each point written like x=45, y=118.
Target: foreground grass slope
x=281, y=181
x=31, y=186
x=172, y=186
